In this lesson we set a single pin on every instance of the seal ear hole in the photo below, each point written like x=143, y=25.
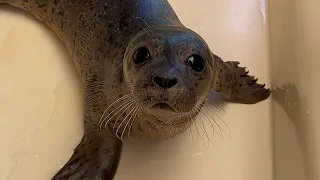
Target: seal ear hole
x=196, y=62
x=141, y=55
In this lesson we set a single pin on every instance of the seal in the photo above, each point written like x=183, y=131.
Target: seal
x=143, y=73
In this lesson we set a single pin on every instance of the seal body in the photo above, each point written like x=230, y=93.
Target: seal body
x=143, y=73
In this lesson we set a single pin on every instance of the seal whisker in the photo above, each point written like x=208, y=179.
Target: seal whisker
x=119, y=92
x=216, y=105
x=104, y=118
x=135, y=109
x=179, y=123
x=197, y=129
x=212, y=119
x=124, y=120
x=107, y=121
x=127, y=106
x=200, y=108
x=104, y=112
x=134, y=118
x=190, y=128
x=126, y=97
x=221, y=129
x=188, y=124
x=123, y=107
x=204, y=129
x=145, y=28
x=214, y=129
x=190, y=117
x=196, y=111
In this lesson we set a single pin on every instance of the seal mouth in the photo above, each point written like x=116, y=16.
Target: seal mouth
x=163, y=106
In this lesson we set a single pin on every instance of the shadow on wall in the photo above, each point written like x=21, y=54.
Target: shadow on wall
x=294, y=58
x=289, y=167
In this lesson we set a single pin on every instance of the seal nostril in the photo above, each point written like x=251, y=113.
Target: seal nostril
x=172, y=82
x=164, y=82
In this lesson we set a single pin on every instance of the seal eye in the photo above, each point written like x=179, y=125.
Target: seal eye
x=142, y=54
x=196, y=63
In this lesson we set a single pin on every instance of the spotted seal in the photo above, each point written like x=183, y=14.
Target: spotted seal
x=143, y=73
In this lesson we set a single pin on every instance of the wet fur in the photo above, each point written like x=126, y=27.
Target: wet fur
x=100, y=36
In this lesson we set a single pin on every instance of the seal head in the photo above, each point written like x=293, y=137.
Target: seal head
x=168, y=70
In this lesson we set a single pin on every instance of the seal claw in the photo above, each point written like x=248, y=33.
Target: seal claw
x=236, y=84
x=249, y=91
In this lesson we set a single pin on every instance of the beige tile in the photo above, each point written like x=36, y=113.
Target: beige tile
x=40, y=108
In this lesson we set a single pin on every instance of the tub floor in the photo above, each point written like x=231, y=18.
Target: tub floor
x=41, y=110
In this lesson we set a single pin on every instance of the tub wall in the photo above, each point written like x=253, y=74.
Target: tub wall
x=295, y=41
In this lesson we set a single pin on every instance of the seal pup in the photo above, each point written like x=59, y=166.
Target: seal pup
x=143, y=74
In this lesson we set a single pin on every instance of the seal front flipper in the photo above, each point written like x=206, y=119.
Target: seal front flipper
x=95, y=158
x=234, y=83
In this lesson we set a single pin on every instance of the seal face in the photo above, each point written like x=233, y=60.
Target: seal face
x=168, y=71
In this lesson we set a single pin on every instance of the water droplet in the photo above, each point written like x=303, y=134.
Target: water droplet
x=308, y=112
